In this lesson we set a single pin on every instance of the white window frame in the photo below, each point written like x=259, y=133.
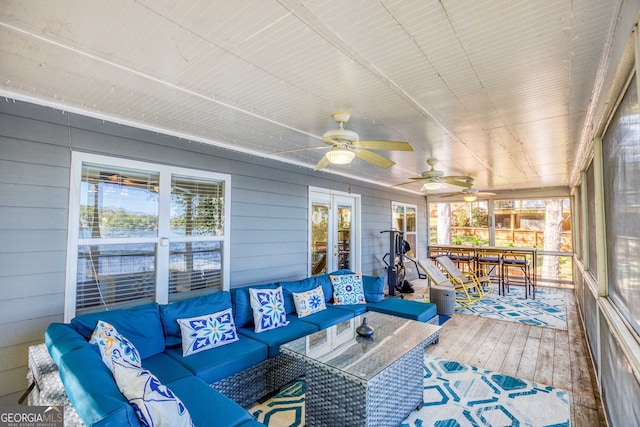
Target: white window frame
x=393, y=223
x=162, y=240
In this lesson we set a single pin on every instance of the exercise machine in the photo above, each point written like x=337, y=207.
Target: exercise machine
x=394, y=262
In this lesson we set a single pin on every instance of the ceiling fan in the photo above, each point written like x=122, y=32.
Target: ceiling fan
x=433, y=179
x=344, y=145
x=470, y=194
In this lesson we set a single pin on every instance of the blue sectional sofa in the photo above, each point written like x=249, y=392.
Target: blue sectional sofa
x=227, y=378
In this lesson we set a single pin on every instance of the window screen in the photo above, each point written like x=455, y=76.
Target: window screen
x=621, y=181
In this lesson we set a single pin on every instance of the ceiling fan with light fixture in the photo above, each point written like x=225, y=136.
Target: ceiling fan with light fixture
x=345, y=145
x=433, y=179
x=470, y=194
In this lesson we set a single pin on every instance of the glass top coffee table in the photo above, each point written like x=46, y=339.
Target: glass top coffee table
x=357, y=381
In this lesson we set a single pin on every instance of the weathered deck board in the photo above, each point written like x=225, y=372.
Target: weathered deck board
x=544, y=355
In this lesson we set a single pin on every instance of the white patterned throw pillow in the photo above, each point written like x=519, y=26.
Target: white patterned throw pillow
x=309, y=302
x=208, y=331
x=114, y=346
x=348, y=289
x=154, y=404
x=268, y=309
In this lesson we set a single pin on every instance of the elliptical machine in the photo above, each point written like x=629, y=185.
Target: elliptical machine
x=394, y=262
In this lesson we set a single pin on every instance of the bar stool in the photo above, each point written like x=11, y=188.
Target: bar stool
x=491, y=262
x=513, y=260
x=463, y=258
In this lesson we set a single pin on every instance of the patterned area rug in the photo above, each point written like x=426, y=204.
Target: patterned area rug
x=548, y=309
x=455, y=395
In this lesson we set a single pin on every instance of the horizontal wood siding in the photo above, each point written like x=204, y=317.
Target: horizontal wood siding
x=269, y=215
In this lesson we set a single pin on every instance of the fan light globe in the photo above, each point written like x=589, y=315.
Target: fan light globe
x=340, y=156
x=469, y=198
x=430, y=186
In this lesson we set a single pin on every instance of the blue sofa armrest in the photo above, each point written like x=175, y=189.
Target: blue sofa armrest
x=61, y=338
x=93, y=391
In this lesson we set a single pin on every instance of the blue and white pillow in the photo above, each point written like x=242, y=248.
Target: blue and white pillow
x=348, y=289
x=268, y=309
x=154, y=404
x=309, y=302
x=208, y=331
x=114, y=346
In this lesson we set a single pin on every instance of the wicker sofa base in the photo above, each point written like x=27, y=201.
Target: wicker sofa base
x=247, y=386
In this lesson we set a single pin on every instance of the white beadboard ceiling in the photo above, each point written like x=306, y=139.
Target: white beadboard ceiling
x=496, y=89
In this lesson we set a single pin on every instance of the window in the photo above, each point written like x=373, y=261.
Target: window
x=140, y=232
x=405, y=220
x=621, y=184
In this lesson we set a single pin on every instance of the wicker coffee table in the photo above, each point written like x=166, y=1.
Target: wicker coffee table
x=355, y=381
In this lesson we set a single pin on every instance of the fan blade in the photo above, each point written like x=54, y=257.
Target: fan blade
x=373, y=158
x=384, y=145
x=299, y=149
x=453, y=180
x=451, y=195
x=403, y=183
x=486, y=194
x=323, y=163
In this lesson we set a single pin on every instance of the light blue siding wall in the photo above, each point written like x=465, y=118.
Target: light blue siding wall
x=268, y=215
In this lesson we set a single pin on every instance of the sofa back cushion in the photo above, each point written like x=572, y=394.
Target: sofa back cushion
x=241, y=301
x=373, y=285
x=192, y=307
x=141, y=325
x=296, y=286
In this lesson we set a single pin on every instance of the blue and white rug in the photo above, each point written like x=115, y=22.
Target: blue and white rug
x=459, y=395
x=548, y=309
x=455, y=395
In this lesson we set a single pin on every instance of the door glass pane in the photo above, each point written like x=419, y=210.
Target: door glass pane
x=398, y=218
x=319, y=236
x=112, y=274
x=344, y=237
x=194, y=266
x=118, y=202
x=197, y=207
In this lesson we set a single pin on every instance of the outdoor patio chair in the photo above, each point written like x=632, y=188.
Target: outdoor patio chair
x=471, y=279
x=464, y=296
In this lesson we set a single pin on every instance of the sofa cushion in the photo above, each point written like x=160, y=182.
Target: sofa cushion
x=141, y=325
x=93, y=391
x=348, y=289
x=414, y=310
x=332, y=315
x=241, y=301
x=296, y=286
x=276, y=337
x=165, y=367
x=154, y=403
x=61, y=338
x=207, y=406
x=309, y=302
x=356, y=309
x=268, y=309
x=221, y=362
x=192, y=307
x=373, y=288
x=208, y=331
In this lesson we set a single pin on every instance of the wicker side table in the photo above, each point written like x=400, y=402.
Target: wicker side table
x=444, y=297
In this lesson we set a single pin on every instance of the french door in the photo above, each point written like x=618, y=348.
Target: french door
x=334, y=224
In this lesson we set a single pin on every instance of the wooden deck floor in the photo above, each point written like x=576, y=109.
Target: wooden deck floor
x=544, y=355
